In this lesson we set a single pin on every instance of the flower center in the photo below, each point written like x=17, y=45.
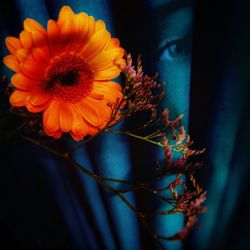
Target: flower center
x=69, y=78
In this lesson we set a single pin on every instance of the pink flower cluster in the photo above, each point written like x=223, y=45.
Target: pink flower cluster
x=142, y=91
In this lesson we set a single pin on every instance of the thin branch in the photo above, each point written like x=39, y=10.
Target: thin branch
x=135, y=136
x=101, y=181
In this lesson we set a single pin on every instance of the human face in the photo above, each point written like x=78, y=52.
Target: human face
x=173, y=59
x=173, y=45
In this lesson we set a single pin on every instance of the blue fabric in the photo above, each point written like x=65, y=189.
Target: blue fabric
x=219, y=118
x=47, y=205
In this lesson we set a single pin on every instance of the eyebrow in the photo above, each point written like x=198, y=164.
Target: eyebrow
x=171, y=7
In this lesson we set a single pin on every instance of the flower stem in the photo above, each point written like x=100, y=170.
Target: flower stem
x=143, y=138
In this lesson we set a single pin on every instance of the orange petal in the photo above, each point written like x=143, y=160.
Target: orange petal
x=39, y=98
x=65, y=117
x=95, y=44
x=11, y=62
x=40, y=41
x=105, y=59
x=89, y=113
x=53, y=35
x=114, y=43
x=95, y=95
x=81, y=23
x=76, y=137
x=108, y=85
x=18, y=98
x=67, y=35
x=81, y=26
x=99, y=25
x=23, y=54
x=36, y=109
x=41, y=55
x=91, y=27
x=26, y=39
x=88, y=29
x=66, y=24
x=33, y=70
x=101, y=107
x=120, y=63
x=79, y=126
x=92, y=130
x=107, y=74
x=65, y=14
x=32, y=25
x=51, y=117
x=12, y=44
x=24, y=83
x=109, y=94
x=57, y=134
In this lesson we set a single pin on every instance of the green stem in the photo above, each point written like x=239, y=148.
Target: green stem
x=161, y=213
x=154, y=135
x=134, y=136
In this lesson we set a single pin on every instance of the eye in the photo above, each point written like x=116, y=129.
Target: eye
x=177, y=48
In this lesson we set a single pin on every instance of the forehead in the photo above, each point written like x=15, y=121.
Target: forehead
x=164, y=8
x=159, y=3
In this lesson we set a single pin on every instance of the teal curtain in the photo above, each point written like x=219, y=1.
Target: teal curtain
x=200, y=49
x=219, y=119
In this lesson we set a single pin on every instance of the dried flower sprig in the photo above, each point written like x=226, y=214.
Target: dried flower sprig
x=140, y=89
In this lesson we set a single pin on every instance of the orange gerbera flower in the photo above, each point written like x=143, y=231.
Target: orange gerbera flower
x=66, y=72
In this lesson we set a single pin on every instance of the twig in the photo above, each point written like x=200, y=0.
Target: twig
x=135, y=136
x=101, y=181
